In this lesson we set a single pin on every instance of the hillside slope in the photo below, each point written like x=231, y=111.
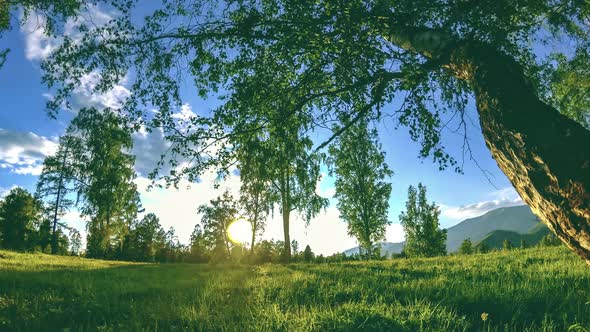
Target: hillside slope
x=495, y=239
x=514, y=222
x=387, y=248
x=517, y=219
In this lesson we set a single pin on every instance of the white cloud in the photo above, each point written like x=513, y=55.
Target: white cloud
x=186, y=113
x=325, y=186
x=395, y=233
x=500, y=198
x=326, y=233
x=148, y=148
x=38, y=46
x=5, y=191
x=86, y=95
x=507, y=193
x=75, y=220
x=29, y=169
x=24, y=152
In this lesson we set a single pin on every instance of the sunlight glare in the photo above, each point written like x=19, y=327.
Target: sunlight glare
x=240, y=231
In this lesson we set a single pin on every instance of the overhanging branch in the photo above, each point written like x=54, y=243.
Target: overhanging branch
x=362, y=112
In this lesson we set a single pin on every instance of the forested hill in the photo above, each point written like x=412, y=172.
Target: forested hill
x=514, y=220
x=518, y=219
x=495, y=239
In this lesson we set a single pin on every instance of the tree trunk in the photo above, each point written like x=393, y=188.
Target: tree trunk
x=55, y=212
x=252, y=243
x=57, y=203
x=254, y=230
x=226, y=240
x=544, y=154
x=287, y=245
x=286, y=211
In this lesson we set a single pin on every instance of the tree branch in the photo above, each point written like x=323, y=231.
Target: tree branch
x=340, y=131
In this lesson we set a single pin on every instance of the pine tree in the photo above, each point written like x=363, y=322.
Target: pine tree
x=58, y=179
x=308, y=255
x=75, y=241
x=507, y=245
x=466, y=247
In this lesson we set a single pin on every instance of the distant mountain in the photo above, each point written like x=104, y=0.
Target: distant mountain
x=517, y=219
x=514, y=223
x=387, y=248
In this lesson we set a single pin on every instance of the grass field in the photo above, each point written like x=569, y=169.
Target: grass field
x=524, y=290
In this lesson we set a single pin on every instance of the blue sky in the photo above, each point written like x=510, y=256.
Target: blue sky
x=27, y=135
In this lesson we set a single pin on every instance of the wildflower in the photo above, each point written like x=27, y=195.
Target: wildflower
x=484, y=316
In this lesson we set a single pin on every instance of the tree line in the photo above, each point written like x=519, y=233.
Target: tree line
x=25, y=226
x=468, y=247
x=92, y=170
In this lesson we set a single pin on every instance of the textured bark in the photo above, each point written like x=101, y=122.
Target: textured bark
x=286, y=213
x=545, y=155
x=287, y=244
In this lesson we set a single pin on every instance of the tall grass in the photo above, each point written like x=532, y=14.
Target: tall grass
x=523, y=290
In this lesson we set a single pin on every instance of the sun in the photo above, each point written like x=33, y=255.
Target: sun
x=240, y=231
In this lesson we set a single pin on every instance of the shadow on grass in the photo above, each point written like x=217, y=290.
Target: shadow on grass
x=134, y=297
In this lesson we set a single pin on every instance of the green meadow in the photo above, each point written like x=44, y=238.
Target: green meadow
x=544, y=289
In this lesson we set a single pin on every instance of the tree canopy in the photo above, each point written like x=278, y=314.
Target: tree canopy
x=216, y=219
x=361, y=190
x=424, y=238
x=54, y=12
x=466, y=247
x=330, y=64
x=109, y=195
x=20, y=214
